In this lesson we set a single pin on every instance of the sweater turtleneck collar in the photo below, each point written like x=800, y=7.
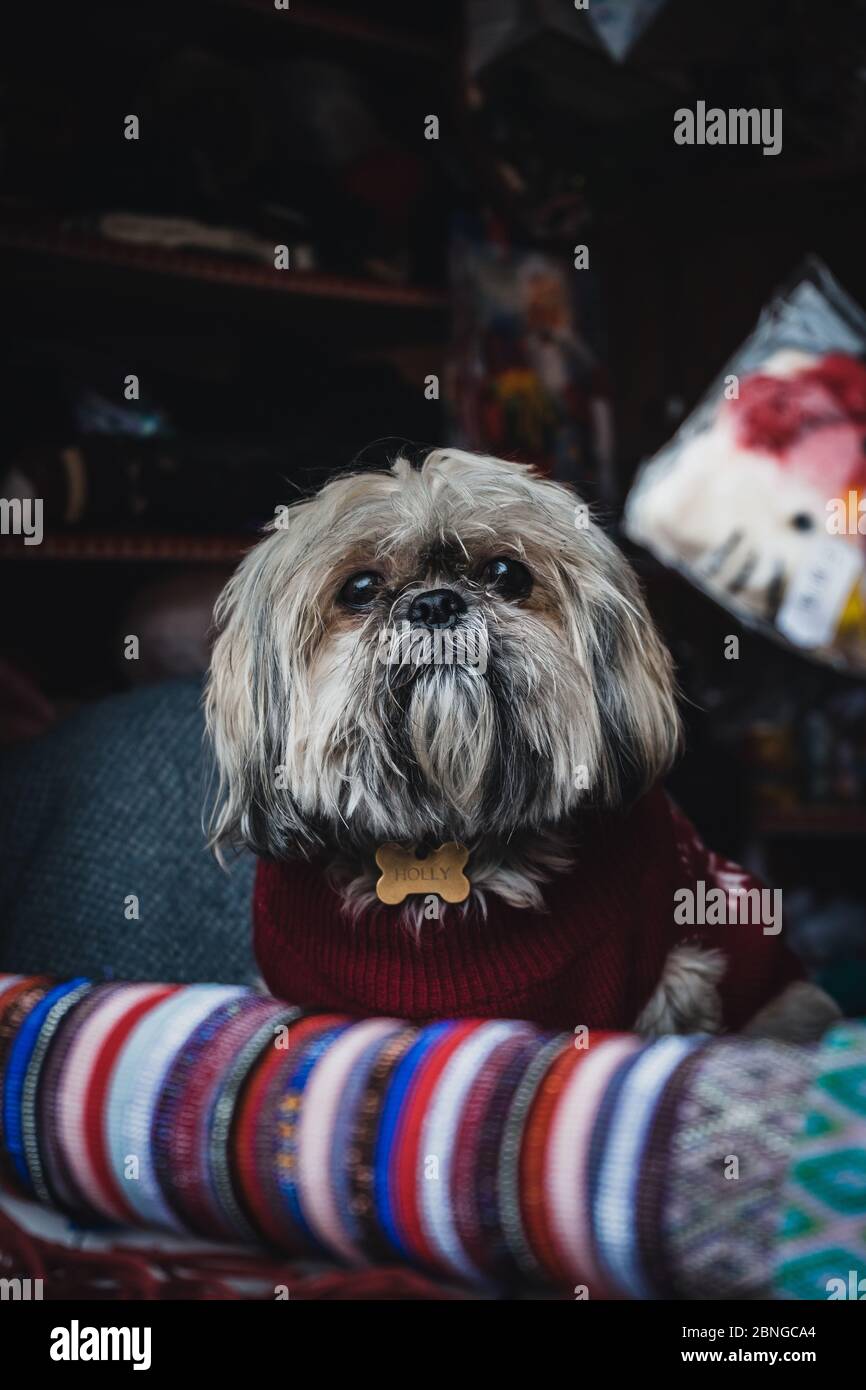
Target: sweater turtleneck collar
x=592, y=958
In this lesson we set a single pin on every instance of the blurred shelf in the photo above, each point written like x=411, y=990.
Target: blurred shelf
x=71, y=246
x=340, y=25
x=120, y=547
x=51, y=278
x=839, y=822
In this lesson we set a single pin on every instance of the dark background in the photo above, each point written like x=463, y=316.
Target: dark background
x=257, y=383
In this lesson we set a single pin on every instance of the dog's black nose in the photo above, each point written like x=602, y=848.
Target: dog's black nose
x=437, y=608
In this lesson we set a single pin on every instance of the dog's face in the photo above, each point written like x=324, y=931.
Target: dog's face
x=432, y=653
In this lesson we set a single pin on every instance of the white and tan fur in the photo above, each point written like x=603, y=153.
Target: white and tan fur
x=320, y=745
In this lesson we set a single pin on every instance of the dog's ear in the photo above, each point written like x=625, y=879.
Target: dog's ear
x=636, y=731
x=248, y=706
x=635, y=692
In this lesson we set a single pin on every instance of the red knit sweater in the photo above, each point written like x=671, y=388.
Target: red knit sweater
x=593, y=958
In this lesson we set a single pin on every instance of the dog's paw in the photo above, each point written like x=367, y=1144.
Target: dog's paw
x=802, y=1013
x=686, y=998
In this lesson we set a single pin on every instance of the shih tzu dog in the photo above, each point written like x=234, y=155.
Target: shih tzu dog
x=440, y=712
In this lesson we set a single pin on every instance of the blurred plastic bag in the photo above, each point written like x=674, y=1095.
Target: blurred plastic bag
x=760, y=497
x=620, y=23
x=495, y=28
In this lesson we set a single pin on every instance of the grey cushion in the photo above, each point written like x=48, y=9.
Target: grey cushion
x=106, y=805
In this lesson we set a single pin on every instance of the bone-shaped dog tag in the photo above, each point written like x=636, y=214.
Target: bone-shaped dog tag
x=441, y=872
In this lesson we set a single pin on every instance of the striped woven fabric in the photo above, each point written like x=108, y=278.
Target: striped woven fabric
x=821, y=1251
x=482, y=1152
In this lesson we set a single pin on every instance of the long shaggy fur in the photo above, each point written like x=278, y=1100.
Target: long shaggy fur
x=322, y=745
x=686, y=998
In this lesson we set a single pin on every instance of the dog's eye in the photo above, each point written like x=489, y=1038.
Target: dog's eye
x=509, y=578
x=361, y=589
